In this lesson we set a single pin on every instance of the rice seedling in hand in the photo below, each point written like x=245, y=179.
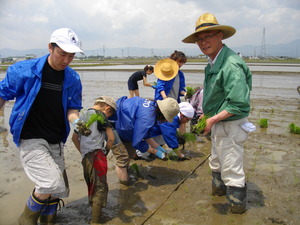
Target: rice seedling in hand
x=190, y=137
x=84, y=127
x=200, y=126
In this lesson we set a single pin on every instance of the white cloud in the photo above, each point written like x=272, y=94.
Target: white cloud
x=141, y=23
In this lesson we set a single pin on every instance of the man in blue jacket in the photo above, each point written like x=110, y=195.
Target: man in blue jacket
x=48, y=95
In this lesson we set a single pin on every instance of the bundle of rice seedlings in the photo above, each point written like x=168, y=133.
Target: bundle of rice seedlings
x=199, y=127
x=263, y=123
x=95, y=117
x=189, y=92
x=135, y=168
x=294, y=129
x=83, y=127
x=190, y=137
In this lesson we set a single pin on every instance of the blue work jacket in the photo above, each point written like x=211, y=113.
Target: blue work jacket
x=166, y=86
x=168, y=131
x=136, y=118
x=23, y=81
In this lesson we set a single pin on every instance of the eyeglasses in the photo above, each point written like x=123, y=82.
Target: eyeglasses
x=206, y=38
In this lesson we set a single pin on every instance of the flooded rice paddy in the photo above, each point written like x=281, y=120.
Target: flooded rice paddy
x=173, y=192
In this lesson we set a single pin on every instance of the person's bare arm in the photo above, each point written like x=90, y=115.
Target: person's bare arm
x=152, y=143
x=182, y=128
x=72, y=115
x=110, y=138
x=163, y=94
x=146, y=83
x=76, y=141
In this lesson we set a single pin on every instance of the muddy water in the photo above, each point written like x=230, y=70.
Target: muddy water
x=114, y=83
x=172, y=192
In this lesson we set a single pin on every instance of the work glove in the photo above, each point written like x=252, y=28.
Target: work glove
x=154, y=86
x=160, y=154
x=161, y=149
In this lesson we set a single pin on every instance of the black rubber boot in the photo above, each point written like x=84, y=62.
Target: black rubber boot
x=31, y=212
x=236, y=197
x=218, y=186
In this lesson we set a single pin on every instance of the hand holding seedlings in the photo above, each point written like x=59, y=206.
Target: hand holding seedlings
x=200, y=126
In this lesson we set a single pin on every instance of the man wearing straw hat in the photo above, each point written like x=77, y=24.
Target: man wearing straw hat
x=227, y=86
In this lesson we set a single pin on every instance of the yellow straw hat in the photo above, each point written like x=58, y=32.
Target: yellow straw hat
x=208, y=21
x=166, y=69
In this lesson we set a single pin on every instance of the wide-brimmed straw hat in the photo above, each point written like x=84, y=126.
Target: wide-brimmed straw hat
x=169, y=107
x=208, y=21
x=166, y=69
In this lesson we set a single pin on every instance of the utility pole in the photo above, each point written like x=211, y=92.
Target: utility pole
x=263, y=53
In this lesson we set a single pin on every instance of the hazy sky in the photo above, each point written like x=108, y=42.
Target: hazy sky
x=27, y=24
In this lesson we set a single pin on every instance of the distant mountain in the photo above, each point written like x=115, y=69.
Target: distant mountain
x=291, y=49
x=7, y=52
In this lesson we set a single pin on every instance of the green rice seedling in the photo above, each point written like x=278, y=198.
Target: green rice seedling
x=83, y=127
x=190, y=137
x=95, y=117
x=263, y=123
x=294, y=129
x=135, y=168
x=189, y=92
x=199, y=127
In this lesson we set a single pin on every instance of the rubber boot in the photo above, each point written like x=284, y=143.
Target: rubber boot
x=48, y=214
x=31, y=212
x=218, y=186
x=96, y=213
x=236, y=197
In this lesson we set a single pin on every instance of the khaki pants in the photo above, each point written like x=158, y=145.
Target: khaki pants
x=123, y=152
x=44, y=164
x=227, y=151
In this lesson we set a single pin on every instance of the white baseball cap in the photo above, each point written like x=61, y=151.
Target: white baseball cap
x=66, y=39
x=186, y=109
